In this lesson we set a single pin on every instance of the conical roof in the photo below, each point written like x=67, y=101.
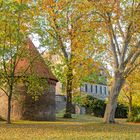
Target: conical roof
x=32, y=62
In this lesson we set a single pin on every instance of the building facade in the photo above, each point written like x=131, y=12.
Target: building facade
x=99, y=91
x=24, y=106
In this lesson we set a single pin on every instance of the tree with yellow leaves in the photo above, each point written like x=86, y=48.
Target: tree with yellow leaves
x=66, y=33
x=120, y=25
x=15, y=23
x=130, y=93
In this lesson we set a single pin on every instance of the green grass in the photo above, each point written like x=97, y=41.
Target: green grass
x=79, y=128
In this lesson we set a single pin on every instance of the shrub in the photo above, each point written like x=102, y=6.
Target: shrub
x=97, y=107
x=121, y=111
x=135, y=116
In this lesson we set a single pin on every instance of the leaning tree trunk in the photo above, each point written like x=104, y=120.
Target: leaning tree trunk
x=68, y=113
x=109, y=116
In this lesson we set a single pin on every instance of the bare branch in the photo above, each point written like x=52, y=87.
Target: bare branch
x=115, y=39
x=126, y=41
x=121, y=31
x=4, y=90
x=129, y=33
x=111, y=40
x=56, y=29
x=130, y=69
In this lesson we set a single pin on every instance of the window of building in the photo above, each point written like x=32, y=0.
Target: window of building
x=101, y=89
x=91, y=88
x=86, y=88
x=96, y=89
x=105, y=90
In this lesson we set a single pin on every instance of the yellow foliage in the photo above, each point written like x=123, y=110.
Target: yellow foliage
x=131, y=89
x=68, y=25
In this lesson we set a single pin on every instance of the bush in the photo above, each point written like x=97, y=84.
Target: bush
x=121, y=111
x=92, y=105
x=97, y=107
x=135, y=116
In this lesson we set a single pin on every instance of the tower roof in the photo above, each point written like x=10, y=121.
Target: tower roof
x=32, y=62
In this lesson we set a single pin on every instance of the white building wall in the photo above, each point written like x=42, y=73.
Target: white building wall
x=89, y=88
x=95, y=94
x=100, y=95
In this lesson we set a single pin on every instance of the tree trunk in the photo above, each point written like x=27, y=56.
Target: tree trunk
x=130, y=107
x=9, y=104
x=109, y=116
x=68, y=113
x=9, y=110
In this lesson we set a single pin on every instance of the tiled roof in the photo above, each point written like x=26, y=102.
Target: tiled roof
x=32, y=62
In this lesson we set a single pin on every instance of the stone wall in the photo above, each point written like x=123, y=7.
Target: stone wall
x=26, y=108
x=80, y=110
x=60, y=103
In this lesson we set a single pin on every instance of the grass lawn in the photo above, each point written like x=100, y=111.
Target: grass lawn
x=79, y=128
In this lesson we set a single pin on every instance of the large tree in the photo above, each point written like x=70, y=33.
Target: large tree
x=16, y=18
x=66, y=33
x=120, y=25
